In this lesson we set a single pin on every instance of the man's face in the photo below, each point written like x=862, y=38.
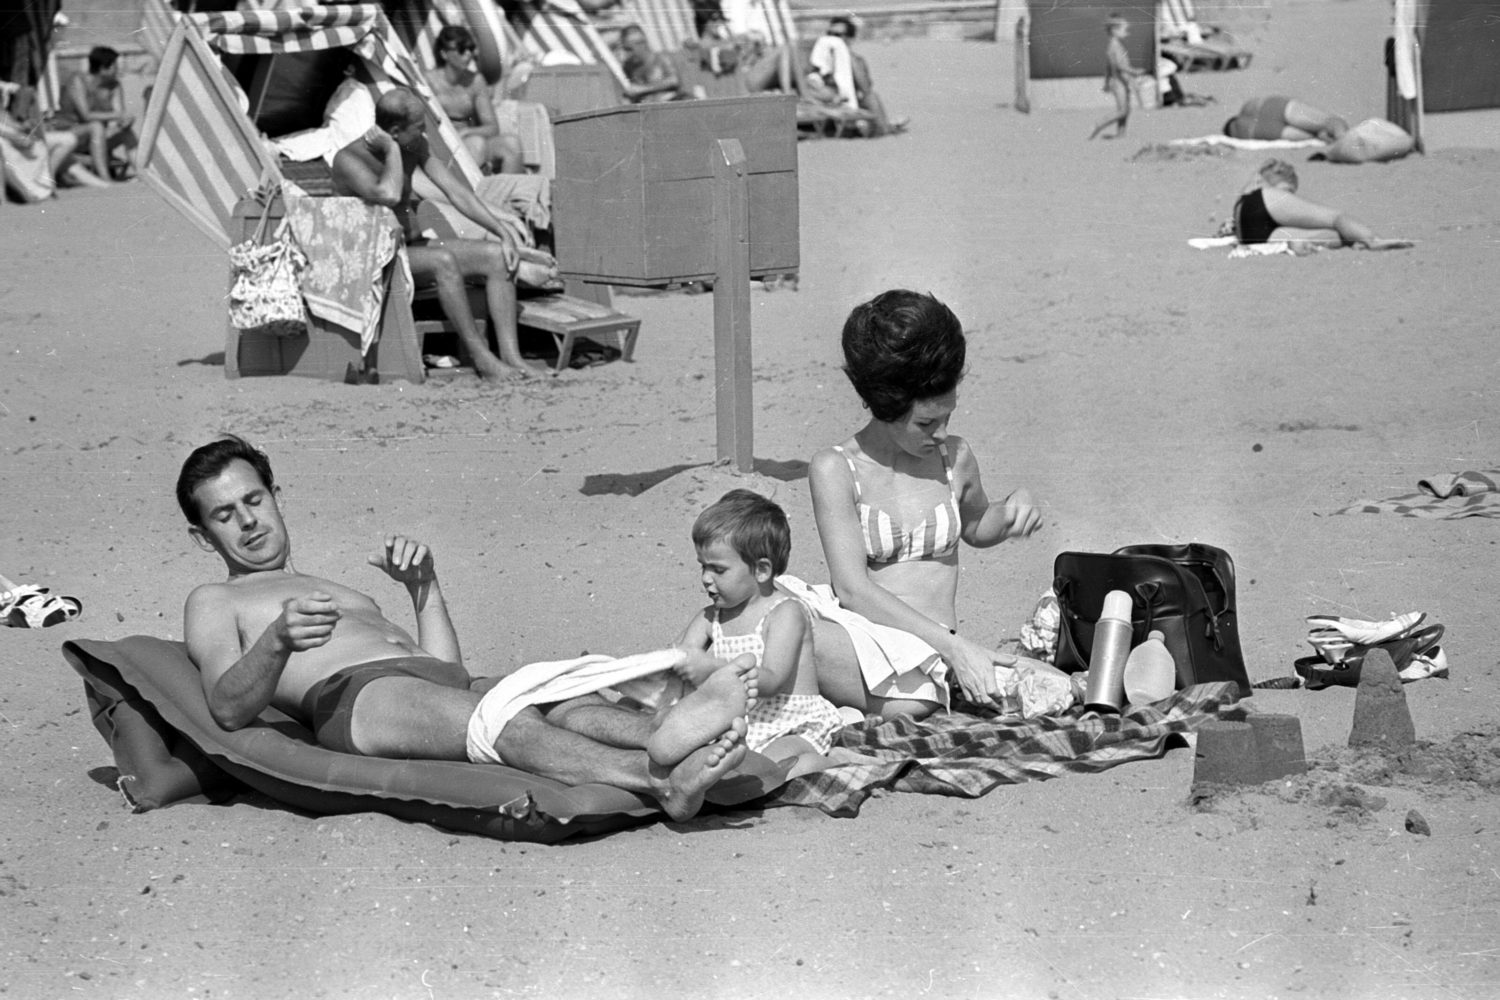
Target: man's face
x=408, y=135
x=635, y=44
x=241, y=520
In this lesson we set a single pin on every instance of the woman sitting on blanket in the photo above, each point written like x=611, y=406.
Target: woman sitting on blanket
x=892, y=503
x=466, y=99
x=1271, y=211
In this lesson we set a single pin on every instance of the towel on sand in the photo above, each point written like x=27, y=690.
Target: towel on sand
x=1215, y=139
x=952, y=753
x=1442, y=497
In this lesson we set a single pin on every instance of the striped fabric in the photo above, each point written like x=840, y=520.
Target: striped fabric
x=157, y=21
x=1443, y=497
x=954, y=753
x=773, y=18
x=193, y=152
x=561, y=26
x=441, y=13
x=198, y=147
x=667, y=23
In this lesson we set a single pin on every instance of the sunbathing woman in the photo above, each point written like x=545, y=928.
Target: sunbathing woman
x=1284, y=118
x=1271, y=211
x=892, y=503
x=466, y=99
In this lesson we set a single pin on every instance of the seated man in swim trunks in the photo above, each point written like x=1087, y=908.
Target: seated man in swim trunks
x=1284, y=118
x=324, y=653
x=378, y=167
x=651, y=75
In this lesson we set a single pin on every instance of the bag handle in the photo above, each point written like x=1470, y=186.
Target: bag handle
x=268, y=192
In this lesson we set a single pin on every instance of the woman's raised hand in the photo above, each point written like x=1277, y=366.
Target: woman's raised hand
x=1023, y=514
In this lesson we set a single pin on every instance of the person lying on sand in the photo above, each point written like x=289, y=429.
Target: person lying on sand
x=378, y=168
x=744, y=543
x=325, y=654
x=1277, y=117
x=1271, y=211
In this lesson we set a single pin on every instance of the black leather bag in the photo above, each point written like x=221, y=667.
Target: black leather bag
x=1184, y=591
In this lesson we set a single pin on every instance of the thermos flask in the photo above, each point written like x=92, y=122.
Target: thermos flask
x=1106, y=687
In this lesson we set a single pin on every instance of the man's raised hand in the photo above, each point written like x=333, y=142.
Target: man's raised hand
x=405, y=561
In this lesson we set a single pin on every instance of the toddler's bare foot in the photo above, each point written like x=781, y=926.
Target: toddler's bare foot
x=749, y=673
x=702, y=717
x=681, y=788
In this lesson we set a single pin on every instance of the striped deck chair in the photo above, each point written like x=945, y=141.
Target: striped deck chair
x=561, y=26
x=1192, y=45
x=442, y=13
x=158, y=18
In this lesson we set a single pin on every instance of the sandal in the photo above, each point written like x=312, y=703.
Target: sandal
x=28, y=606
x=1333, y=632
x=1319, y=673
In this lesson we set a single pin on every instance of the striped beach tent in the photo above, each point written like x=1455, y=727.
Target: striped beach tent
x=201, y=146
x=420, y=21
x=560, y=26
x=158, y=18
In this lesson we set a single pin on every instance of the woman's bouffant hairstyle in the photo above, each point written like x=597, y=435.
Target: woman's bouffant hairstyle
x=1278, y=170
x=902, y=346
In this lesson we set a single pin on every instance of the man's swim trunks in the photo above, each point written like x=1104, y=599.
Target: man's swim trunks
x=1252, y=223
x=329, y=704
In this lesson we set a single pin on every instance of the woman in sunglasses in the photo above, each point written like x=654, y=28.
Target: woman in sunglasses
x=469, y=104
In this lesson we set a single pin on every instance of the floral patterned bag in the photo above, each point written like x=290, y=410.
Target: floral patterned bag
x=265, y=292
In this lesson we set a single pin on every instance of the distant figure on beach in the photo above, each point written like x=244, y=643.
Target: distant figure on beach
x=744, y=543
x=1284, y=118
x=1119, y=76
x=892, y=504
x=1272, y=211
x=467, y=101
x=326, y=655
x=724, y=49
x=34, y=157
x=651, y=75
x=838, y=74
x=378, y=167
x=93, y=109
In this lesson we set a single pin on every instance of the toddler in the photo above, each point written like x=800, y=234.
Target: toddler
x=744, y=543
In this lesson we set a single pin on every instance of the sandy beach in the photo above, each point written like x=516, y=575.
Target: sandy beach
x=1144, y=390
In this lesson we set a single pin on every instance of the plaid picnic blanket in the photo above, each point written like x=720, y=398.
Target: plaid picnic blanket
x=955, y=753
x=1443, y=497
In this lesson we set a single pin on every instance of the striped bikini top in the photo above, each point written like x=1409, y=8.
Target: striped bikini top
x=885, y=542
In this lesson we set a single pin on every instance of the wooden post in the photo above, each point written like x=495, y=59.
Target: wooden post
x=1023, y=64
x=732, y=366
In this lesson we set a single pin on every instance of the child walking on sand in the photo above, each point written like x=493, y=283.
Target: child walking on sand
x=744, y=543
x=1118, y=76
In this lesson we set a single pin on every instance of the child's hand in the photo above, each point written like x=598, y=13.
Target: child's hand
x=697, y=666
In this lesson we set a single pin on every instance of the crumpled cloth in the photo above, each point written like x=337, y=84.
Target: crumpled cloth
x=1443, y=497
x=348, y=243
x=831, y=58
x=895, y=664
x=551, y=681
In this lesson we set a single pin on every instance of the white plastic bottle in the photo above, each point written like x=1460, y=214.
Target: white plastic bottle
x=1150, y=671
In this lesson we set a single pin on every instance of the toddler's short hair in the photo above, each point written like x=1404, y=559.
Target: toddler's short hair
x=755, y=527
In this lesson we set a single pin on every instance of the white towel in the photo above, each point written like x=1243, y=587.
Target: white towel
x=552, y=681
x=830, y=57
x=895, y=663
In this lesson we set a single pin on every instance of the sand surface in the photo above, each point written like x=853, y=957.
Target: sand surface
x=1146, y=391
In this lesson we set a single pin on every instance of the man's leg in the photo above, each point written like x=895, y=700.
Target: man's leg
x=435, y=264
x=485, y=258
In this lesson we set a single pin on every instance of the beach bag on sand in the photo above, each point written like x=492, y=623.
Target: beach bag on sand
x=1186, y=592
x=265, y=292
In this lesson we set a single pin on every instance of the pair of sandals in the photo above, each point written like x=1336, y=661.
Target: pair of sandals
x=1342, y=644
x=28, y=606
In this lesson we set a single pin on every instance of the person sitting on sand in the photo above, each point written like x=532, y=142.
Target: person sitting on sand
x=326, y=655
x=839, y=75
x=378, y=167
x=93, y=108
x=33, y=158
x=468, y=103
x=651, y=76
x=1271, y=211
x=744, y=543
x=760, y=65
x=1276, y=117
x=1119, y=76
x=892, y=504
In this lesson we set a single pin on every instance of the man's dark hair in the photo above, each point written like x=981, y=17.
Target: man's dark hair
x=208, y=461
x=901, y=347
x=755, y=527
x=848, y=24
x=454, y=36
x=102, y=57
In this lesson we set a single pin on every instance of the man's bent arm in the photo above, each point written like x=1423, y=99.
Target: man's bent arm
x=435, y=631
x=353, y=175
